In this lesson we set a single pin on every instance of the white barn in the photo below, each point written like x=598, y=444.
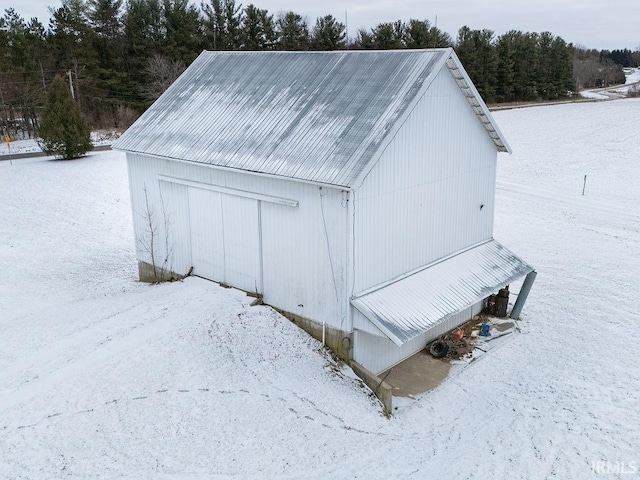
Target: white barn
x=353, y=190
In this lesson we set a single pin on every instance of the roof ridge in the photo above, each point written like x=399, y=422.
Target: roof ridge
x=320, y=118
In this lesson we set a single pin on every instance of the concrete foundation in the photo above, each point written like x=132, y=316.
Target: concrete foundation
x=149, y=274
x=339, y=341
x=381, y=388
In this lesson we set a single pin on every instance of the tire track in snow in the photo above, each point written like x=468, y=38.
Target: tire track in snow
x=578, y=204
x=114, y=339
x=49, y=357
x=300, y=413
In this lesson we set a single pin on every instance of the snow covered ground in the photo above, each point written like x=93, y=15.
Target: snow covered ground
x=104, y=377
x=632, y=78
x=30, y=145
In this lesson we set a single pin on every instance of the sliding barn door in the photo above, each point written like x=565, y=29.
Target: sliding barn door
x=225, y=238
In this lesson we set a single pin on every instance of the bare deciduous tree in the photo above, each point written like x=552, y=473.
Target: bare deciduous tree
x=148, y=241
x=160, y=72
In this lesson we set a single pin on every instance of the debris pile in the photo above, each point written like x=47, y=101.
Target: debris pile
x=463, y=340
x=452, y=345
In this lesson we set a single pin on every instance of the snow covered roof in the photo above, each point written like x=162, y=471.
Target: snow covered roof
x=404, y=309
x=314, y=116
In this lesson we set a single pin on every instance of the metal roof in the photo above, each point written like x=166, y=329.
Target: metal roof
x=314, y=116
x=407, y=307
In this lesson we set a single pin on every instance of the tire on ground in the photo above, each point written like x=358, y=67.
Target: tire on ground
x=438, y=349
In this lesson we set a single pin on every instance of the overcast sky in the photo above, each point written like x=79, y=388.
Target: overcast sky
x=592, y=23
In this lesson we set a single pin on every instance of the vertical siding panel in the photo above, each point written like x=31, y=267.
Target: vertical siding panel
x=422, y=200
x=133, y=171
x=241, y=242
x=298, y=273
x=205, y=238
x=360, y=322
x=296, y=267
x=175, y=199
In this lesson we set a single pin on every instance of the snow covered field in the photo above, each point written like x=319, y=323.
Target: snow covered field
x=103, y=377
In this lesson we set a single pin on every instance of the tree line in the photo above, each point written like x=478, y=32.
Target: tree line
x=596, y=69
x=118, y=57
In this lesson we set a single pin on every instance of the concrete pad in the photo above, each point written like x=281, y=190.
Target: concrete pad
x=421, y=372
x=417, y=374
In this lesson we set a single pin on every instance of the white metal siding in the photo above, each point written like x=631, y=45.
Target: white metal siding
x=360, y=322
x=378, y=354
x=225, y=238
x=297, y=273
x=207, y=237
x=163, y=209
x=422, y=200
x=241, y=242
x=304, y=264
x=175, y=208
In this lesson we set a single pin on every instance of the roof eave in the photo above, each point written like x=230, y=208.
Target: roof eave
x=236, y=170
x=477, y=103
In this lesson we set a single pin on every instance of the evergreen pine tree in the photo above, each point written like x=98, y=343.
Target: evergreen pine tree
x=328, y=34
x=258, y=29
x=292, y=31
x=417, y=35
x=506, y=61
x=388, y=36
x=477, y=52
x=63, y=131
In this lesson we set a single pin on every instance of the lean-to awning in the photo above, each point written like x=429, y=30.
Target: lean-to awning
x=416, y=303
